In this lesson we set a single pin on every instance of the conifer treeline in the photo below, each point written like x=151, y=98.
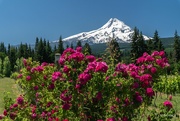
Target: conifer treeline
x=42, y=51
x=10, y=56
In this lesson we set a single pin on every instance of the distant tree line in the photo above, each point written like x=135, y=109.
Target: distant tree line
x=11, y=56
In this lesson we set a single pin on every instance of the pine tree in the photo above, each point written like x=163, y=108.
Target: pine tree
x=36, y=54
x=7, y=67
x=60, y=46
x=134, y=45
x=176, y=47
x=87, y=49
x=12, y=58
x=157, y=43
x=113, y=52
x=40, y=51
x=150, y=46
x=142, y=47
x=72, y=46
x=49, y=53
x=79, y=44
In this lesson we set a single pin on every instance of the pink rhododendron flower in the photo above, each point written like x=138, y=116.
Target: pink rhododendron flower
x=61, y=60
x=84, y=78
x=127, y=102
x=168, y=104
x=150, y=92
x=149, y=59
x=99, y=120
x=51, y=86
x=155, y=53
x=135, y=85
x=20, y=100
x=66, y=106
x=124, y=119
x=56, y=75
x=66, y=69
x=138, y=97
x=25, y=62
x=43, y=114
x=121, y=67
x=28, y=78
x=5, y=112
x=162, y=54
x=36, y=87
x=39, y=68
x=111, y=119
x=19, y=76
x=101, y=67
x=146, y=77
x=15, y=105
x=76, y=57
x=13, y=115
x=65, y=97
x=99, y=96
x=153, y=70
x=1, y=117
x=140, y=60
x=33, y=116
x=90, y=58
x=117, y=100
x=170, y=97
x=79, y=49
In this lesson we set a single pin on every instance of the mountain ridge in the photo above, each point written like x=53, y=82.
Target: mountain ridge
x=114, y=28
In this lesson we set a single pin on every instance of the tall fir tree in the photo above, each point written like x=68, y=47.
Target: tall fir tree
x=60, y=48
x=12, y=58
x=49, y=53
x=157, y=43
x=176, y=47
x=142, y=47
x=113, y=52
x=150, y=46
x=79, y=44
x=134, y=45
x=72, y=46
x=7, y=67
x=87, y=49
x=36, y=54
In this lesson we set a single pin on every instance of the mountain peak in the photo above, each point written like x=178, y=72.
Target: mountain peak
x=113, y=22
x=114, y=28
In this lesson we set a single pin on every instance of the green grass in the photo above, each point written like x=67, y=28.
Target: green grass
x=175, y=101
x=7, y=85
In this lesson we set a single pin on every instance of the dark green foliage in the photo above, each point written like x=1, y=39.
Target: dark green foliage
x=72, y=45
x=7, y=67
x=12, y=57
x=79, y=44
x=113, y=52
x=60, y=48
x=87, y=49
x=176, y=47
x=49, y=53
x=150, y=45
x=138, y=45
x=157, y=44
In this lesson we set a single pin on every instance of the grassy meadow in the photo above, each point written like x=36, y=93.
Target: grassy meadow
x=7, y=85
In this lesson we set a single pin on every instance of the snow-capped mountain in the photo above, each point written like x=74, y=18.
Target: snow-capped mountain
x=114, y=28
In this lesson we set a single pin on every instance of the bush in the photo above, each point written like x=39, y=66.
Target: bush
x=85, y=88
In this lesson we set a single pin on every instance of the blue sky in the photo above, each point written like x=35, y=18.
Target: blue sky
x=24, y=20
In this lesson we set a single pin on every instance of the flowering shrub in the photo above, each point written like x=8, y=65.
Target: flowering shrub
x=85, y=88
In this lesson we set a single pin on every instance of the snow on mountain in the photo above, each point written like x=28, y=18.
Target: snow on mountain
x=114, y=28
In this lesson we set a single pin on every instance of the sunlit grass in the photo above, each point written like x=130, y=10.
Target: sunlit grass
x=7, y=85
